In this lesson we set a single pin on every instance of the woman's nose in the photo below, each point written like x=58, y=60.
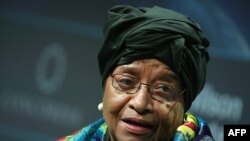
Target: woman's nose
x=141, y=101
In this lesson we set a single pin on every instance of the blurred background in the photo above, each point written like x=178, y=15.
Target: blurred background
x=49, y=79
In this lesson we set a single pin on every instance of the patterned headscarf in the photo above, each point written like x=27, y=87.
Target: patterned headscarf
x=142, y=33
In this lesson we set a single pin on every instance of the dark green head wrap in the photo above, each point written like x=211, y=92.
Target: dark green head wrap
x=172, y=38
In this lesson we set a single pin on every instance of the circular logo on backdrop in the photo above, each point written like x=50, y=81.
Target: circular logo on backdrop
x=51, y=68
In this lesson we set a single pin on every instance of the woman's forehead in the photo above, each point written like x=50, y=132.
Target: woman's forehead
x=140, y=65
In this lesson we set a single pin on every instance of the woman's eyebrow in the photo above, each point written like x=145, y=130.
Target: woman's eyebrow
x=167, y=73
x=128, y=68
x=167, y=77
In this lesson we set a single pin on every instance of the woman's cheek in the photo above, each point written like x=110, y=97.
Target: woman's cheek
x=113, y=101
x=170, y=119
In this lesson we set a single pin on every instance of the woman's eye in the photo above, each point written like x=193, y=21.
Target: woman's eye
x=163, y=89
x=126, y=82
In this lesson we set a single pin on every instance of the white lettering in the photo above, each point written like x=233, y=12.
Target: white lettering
x=243, y=131
x=231, y=132
x=237, y=131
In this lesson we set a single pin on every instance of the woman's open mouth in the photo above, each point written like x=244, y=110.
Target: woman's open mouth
x=137, y=126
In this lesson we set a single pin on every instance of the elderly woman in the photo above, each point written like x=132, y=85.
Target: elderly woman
x=153, y=65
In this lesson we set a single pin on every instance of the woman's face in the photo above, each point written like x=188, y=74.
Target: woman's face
x=141, y=116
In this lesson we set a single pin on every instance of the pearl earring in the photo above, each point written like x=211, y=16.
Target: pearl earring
x=100, y=106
